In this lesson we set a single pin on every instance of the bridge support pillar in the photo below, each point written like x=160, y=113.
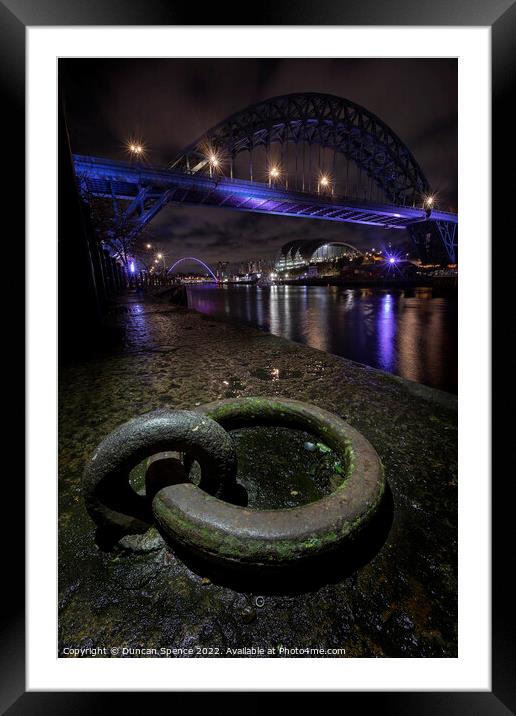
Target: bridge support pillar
x=436, y=240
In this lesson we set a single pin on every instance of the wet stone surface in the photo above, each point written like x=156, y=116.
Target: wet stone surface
x=396, y=597
x=280, y=467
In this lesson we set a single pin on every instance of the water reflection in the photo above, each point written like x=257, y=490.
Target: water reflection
x=410, y=334
x=386, y=333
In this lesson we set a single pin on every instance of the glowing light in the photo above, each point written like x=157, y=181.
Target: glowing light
x=429, y=201
x=213, y=157
x=149, y=246
x=159, y=256
x=135, y=148
x=274, y=172
x=324, y=181
x=132, y=267
x=392, y=260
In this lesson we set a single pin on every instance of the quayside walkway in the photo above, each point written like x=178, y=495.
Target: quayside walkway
x=395, y=597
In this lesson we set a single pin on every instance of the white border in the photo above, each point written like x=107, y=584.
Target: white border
x=471, y=671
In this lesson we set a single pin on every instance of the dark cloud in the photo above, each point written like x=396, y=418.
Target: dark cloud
x=169, y=103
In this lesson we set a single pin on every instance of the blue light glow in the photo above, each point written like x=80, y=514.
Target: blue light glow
x=132, y=267
x=192, y=258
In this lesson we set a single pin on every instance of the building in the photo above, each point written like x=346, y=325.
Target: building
x=300, y=253
x=222, y=271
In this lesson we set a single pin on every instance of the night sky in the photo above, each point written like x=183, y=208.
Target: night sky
x=170, y=103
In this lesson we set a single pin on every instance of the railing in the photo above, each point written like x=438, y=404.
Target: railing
x=113, y=279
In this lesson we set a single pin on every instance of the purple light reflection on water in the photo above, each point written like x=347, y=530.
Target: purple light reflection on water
x=386, y=334
x=411, y=336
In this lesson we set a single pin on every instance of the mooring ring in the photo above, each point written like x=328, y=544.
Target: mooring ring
x=234, y=536
x=111, y=501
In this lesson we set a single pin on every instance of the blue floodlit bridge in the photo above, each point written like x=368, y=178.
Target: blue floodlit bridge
x=305, y=155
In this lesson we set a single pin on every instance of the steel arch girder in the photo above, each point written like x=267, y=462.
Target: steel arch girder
x=325, y=120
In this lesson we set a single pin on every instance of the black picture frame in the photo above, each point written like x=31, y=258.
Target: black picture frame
x=500, y=15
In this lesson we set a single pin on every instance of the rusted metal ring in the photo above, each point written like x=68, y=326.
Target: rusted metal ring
x=234, y=535
x=110, y=499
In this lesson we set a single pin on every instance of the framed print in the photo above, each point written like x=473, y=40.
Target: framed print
x=259, y=420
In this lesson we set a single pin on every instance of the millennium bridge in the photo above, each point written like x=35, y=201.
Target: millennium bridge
x=301, y=155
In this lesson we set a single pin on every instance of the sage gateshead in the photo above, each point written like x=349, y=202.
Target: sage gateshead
x=305, y=252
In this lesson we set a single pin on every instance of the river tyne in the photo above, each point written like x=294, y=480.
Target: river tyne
x=407, y=333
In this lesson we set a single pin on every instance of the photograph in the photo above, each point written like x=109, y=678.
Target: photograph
x=257, y=273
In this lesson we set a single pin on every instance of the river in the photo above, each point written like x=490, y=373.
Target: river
x=409, y=334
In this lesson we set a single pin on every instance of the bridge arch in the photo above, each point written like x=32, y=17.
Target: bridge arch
x=335, y=124
x=192, y=258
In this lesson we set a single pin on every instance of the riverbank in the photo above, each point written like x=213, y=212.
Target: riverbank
x=398, y=599
x=407, y=332
x=440, y=285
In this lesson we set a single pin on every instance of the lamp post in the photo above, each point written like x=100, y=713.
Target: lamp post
x=214, y=162
x=274, y=173
x=160, y=257
x=136, y=150
x=324, y=183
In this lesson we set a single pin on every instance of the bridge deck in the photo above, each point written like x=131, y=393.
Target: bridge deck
x=149, y=188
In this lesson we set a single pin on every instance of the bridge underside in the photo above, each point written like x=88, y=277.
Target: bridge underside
x=142, y=191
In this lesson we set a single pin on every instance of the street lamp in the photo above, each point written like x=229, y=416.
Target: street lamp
x=160, y=257
x=274, y=173
x=429, y=203
x=324, y=182
x=213, y=161
x=136, y=149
